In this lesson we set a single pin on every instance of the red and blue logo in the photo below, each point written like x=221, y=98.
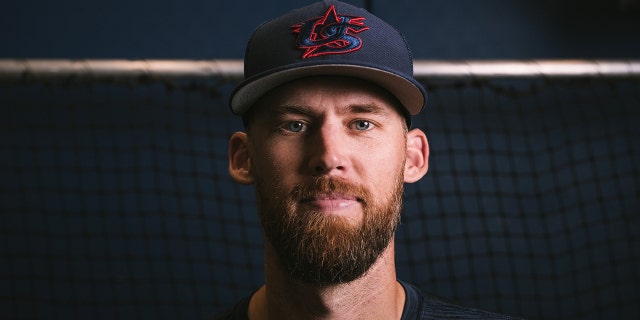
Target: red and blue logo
x=329, y=34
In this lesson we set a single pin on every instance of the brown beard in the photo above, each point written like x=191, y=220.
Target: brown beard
x=321, y=249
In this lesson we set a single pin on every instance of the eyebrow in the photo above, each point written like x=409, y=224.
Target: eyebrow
x=368, y=108
x=282, y=110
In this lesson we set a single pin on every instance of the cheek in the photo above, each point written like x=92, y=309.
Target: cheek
x=386, y=168
x=383, y=163
x=274, y=162
x=388, y=153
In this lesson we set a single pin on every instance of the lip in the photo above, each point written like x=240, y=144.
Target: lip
x=332, y=202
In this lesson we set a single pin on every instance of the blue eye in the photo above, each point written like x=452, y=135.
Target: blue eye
x=295, y=126
x=362, y=125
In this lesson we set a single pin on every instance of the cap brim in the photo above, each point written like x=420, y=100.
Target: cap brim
x=408, y=91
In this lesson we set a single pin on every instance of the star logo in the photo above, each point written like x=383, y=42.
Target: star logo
x=329, y=34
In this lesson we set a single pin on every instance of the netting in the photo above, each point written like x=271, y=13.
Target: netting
x=116, y=203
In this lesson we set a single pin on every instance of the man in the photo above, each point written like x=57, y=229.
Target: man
x=327, y=105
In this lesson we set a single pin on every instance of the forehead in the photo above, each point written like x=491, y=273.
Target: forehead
x=323, y=91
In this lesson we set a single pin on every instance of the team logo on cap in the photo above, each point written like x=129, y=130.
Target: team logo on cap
x=329, y=34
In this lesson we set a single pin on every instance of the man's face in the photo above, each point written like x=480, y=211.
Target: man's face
x=327, y=156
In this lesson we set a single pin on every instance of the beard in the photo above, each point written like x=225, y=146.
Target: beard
x=323, y=249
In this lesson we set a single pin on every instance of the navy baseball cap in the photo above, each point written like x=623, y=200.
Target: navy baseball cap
x=328, y=38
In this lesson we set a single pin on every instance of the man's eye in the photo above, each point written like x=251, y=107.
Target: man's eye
x=295, y=126
x=362, y=125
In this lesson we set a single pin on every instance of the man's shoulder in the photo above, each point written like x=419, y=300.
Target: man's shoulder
x=422, y=306
x=237, y=312
x=437, y=308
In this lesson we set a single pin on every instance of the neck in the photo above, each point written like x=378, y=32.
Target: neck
x=375, y=295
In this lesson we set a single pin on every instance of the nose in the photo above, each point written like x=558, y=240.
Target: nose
x=328, y=149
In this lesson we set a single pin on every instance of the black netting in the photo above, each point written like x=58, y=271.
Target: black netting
x=116, y=203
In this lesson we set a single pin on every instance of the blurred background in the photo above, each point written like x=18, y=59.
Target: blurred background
x=115, y=202
x=459, y=29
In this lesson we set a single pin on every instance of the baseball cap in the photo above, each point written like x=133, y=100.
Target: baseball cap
x=328, y=38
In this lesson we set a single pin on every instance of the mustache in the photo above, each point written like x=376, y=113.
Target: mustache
x=325, y=185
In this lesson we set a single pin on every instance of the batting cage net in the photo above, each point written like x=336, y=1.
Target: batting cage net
x=116, y=203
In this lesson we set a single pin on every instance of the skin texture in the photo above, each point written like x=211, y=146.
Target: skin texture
x=329, y=157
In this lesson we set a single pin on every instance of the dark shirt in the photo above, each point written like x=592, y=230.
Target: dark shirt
x=417, y=306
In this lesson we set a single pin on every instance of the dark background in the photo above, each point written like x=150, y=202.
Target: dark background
x=116, y=203
x=459, y=29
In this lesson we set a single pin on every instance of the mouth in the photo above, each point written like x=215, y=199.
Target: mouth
x=331, y=202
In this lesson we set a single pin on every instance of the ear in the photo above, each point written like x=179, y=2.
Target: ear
x=417, y=163
x=239, y=160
